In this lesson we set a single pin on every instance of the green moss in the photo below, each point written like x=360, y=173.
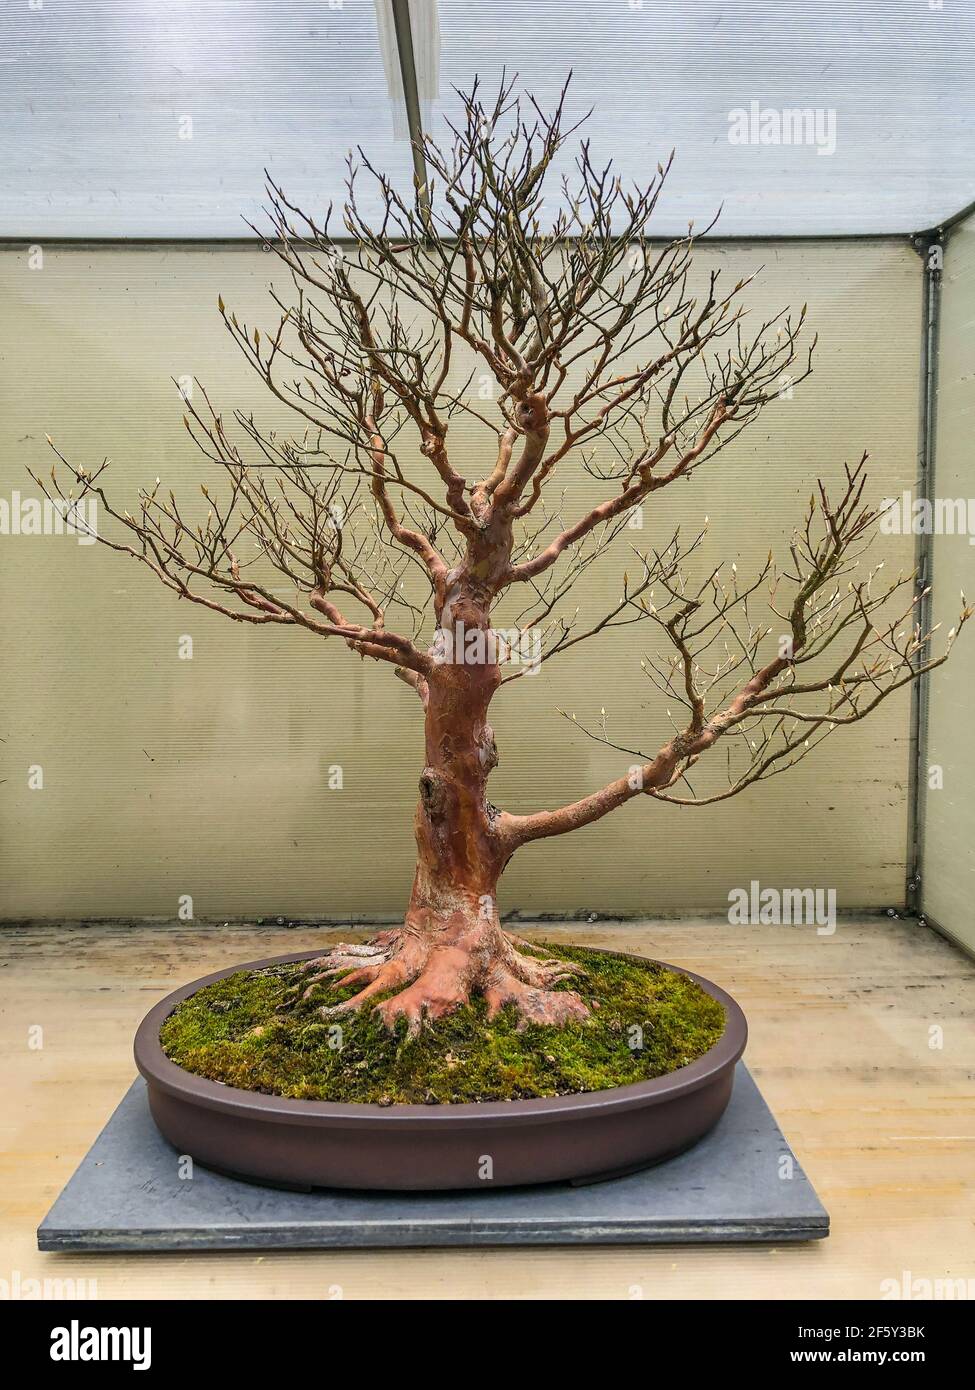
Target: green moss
x=645, y=1022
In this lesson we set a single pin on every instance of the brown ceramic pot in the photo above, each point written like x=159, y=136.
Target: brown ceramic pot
x=304, y=1143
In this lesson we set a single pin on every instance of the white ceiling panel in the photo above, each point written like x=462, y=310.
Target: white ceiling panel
x=96, y=96
x=890, y=85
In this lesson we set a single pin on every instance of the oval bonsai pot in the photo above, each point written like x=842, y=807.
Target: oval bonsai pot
x=305, y=1144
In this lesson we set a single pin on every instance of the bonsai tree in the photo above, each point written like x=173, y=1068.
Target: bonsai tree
x=590, y=333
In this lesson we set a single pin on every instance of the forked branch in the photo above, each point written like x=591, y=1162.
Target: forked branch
x=850, y=643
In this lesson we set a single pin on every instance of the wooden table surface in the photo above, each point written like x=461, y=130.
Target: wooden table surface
x=862, y=1042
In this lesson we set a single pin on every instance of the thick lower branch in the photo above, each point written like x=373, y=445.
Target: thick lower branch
x=518, y=830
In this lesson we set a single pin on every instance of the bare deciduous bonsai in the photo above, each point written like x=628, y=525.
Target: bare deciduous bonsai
x=590, y=333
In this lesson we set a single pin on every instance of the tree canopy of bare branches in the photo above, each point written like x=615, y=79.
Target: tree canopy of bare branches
x=591, y=333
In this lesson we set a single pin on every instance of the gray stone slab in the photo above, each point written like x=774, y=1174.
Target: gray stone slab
x=127, y=1195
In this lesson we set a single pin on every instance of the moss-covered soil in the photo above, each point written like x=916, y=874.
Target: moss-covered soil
x=645, y=1022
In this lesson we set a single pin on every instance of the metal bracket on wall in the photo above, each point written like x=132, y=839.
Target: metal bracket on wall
x=930, y=247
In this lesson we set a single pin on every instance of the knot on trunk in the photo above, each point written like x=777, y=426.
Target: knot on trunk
x=532, y=413
x=487, y=749
x=433, y=794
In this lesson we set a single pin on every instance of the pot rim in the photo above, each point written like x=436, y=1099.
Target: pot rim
x=175, y=1081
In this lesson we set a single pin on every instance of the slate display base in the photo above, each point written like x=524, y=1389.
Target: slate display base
x=127, y=1195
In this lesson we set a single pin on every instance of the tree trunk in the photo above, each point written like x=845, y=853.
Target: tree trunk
x=451, y=944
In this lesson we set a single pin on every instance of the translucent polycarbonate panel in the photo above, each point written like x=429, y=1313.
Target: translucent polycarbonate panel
x=260, y=770
x=948, y=792
x=810, y=116
x=142, y=118
x=156, y=118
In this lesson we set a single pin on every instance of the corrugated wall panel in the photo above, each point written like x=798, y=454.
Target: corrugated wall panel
x=948, y=885
x=210, y=777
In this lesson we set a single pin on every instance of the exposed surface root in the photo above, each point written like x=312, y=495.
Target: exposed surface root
x=444, y=984
x=436, y=973
x=366, y=957
x=544, y=1006
x=542, y=972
